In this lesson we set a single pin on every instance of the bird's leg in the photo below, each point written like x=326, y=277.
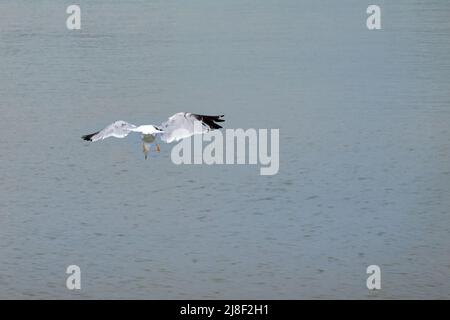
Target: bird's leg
x=145, y=149
x=157, y=148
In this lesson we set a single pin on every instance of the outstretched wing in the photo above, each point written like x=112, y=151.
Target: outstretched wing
x=117, y=129
x=182, y=125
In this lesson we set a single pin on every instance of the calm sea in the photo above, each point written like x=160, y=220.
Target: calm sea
x=364, y=150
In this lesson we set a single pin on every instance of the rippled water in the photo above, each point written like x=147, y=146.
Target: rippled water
x=364, y=140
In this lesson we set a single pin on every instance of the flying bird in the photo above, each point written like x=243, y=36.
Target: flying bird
x=179, y=126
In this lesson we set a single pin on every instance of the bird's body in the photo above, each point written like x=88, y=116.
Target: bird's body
x=179, y=126
x=146, y=129
x=148, y=138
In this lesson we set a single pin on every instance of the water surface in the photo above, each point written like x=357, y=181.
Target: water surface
x=364, y=148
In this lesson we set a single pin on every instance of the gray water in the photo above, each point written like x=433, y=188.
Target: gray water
x=364, y=150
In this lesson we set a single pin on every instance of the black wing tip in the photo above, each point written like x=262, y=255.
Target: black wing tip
x=210, y=121
x=88, y=137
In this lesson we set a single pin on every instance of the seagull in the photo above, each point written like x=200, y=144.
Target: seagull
x=179, y=126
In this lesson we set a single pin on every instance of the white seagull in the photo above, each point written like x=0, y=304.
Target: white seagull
x=179, y=126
